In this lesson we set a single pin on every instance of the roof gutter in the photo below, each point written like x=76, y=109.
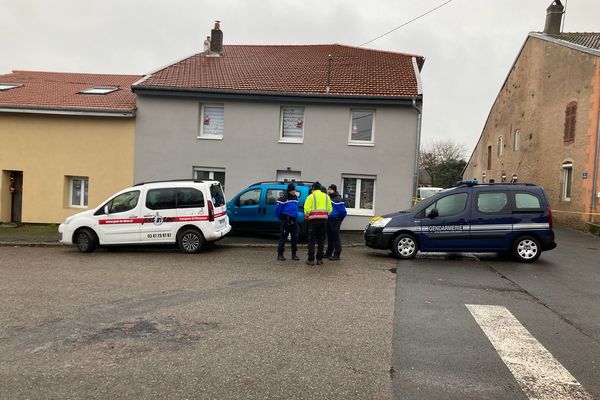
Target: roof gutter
x=72, y=112
x=271, y=96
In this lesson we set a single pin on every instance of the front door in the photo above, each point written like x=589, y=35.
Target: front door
x=16, y=193
x=445, y=223
x=122, y=222
x=247, y=211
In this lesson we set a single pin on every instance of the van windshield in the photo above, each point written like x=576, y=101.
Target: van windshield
x=217, y=196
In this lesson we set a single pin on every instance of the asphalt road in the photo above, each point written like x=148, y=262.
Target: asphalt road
x=229, y=323
x=440, y=351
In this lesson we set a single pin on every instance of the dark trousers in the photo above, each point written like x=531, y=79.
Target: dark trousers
x=334, y=242
x=317, y=229
x=287, y=227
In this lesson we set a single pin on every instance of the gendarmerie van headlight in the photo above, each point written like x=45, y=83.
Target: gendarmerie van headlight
x=379, y=222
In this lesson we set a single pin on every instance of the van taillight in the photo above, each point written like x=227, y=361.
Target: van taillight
x=211, y=211
x=550, y=217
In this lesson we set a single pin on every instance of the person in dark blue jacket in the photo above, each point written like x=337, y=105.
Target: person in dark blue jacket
x=287, y=212
x=338, y=213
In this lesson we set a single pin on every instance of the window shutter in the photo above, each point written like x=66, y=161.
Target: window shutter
x=570, y=120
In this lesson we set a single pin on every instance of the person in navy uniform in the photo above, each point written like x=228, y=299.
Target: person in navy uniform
x=338, y=213
x=287, y=212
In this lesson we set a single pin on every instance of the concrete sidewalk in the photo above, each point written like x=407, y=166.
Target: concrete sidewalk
x=47, y=235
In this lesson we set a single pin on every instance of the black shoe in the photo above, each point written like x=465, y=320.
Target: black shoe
x=319, y=262
x=280, y=258
x=310, y=263
x=295, y=257
x=334, y=258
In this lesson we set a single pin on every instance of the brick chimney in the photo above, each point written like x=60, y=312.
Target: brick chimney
x=216, y=40
x=554, y=15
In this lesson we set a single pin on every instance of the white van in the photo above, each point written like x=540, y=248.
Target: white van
x=187, y=212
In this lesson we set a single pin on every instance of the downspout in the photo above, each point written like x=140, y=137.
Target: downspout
x=595, y=182
x=596, y=155
x=418, y=147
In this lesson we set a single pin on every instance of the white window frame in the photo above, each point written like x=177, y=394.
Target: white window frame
x=370, y=143
x=202, y=135
x=500, y=146
x=291, y=140
x=566, y=166
x=85, y=185
x=211, y=173
x=517, y=140
x=8, y=86
x=360, y=211
x=100, y=90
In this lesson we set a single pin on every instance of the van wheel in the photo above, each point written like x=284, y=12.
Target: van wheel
x=86, y=240
x=526, y=249
x=405, y=246
x=190, y=241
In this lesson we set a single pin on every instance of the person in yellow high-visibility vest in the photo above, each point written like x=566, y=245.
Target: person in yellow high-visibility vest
x=317, y=208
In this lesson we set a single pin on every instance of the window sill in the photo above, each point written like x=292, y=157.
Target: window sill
x=296, y=141
x=80, y=207
x=361, y=213
x=211, y=137
x=364, y=144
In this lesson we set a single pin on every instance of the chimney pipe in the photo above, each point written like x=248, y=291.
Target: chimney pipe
x=554, y=14
x=216, y=40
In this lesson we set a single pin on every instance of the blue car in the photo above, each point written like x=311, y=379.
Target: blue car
x=504, y=218
x=253, y=209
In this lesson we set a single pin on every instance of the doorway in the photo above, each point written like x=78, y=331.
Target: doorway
x=15, y=187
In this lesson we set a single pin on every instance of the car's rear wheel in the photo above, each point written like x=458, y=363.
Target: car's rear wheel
x=86, y=240
x=526, y=249
x=190, y=241
x=405, y=246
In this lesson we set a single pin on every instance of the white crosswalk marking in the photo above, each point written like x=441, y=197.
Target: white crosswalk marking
x=538, y=373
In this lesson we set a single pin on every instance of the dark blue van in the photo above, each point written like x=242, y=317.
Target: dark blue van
x=253, y=209
x=505, y=218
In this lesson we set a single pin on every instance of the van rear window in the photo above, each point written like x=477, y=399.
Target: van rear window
x=217, y=196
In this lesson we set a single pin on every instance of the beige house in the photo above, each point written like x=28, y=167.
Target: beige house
x=543, y=127
x=67, y=143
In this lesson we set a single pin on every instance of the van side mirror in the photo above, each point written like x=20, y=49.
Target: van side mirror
x=433, y=213
x=106, y=209
x=237, y=201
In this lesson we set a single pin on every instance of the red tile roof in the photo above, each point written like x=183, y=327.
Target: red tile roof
x=59, y=91
x=300, y=69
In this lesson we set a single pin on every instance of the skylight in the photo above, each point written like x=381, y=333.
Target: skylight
x=8, y=86
x=100, y=90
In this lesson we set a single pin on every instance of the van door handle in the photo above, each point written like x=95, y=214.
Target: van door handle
x=480, y=220
x=148, y=215
x=462, y=221
x=132, y=216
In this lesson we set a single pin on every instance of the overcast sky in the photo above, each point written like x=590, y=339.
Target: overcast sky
x=469, y=46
